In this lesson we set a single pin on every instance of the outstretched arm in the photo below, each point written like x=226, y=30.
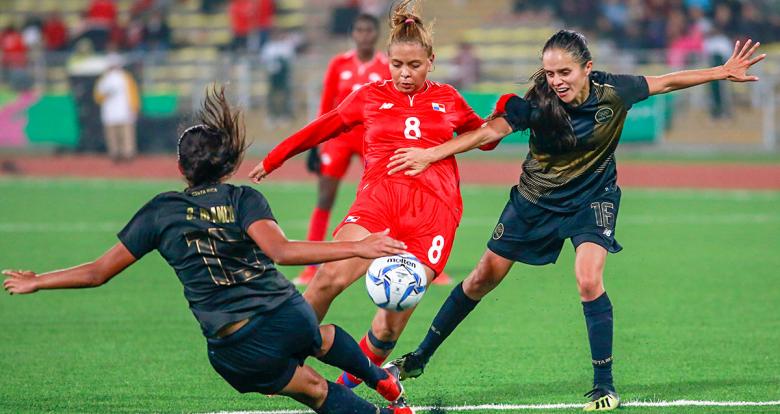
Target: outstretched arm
x=271, y=239
x=320, y=130
x=735, y=70
x=87, y=275
x=417, y=160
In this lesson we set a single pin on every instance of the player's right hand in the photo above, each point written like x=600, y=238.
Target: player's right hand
x=257, y=173
x=379, y=245
x=20, y=282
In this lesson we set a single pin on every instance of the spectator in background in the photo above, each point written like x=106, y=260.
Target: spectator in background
x=14, y=59
x=101, y=18
x=752, y=24
x=278, y=56
x=684, y=40
x=264, y=20
x=141, y=8
x=55, y=33
x=210, y=6
x=467, y=67
x=117, y=94
x=157, y=33
x=717, y=49
x=242, y=19
x=31, y=32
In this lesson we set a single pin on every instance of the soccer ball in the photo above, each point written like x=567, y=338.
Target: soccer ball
x=396, y=283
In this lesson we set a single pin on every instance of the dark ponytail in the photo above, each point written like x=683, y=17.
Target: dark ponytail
x=551, y=125
x=213, y=149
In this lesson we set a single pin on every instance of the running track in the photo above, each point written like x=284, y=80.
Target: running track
x=490, y=172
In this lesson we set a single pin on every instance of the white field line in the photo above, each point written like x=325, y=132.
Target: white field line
x=486, y=222
x=522, y=407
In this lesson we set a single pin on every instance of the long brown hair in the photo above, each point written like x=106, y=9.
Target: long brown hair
x=212, y=150
x=551, y=124
x=406, y=26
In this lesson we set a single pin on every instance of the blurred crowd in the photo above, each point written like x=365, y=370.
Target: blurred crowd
x=683, y=27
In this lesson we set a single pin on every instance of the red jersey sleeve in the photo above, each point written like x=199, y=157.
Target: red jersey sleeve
x=330, y=125
x=352, y=107
x=330, y=86
x=320, y=130
x=468, y=120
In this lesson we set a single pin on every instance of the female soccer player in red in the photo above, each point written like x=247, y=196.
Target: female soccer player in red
x=568, y=189
x=223, y=243
x=346, y=73
x=423, y=211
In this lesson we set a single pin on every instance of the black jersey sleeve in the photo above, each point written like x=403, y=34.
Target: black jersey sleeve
x=516, y=111
x=141, y=235
x=630, y=88
x=252, y=206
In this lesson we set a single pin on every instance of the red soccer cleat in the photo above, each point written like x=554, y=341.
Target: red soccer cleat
x=442, y=280
x=306, y=276
x=390, y=388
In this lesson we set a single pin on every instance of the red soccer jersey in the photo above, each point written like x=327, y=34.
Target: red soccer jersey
x=394, y=120
x=346, y=73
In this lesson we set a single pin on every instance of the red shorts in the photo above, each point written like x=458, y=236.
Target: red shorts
x=335, y=154
x=425, y=223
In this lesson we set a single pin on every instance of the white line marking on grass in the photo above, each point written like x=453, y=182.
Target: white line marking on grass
x=562, y=406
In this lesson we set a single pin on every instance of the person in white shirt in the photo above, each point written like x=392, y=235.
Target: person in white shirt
x=117, y=94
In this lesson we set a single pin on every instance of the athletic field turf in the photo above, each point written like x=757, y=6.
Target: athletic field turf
x=696, y=295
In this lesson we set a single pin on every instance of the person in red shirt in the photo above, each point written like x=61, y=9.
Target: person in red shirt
x=346, y=73
x=102, y=13
x=14, y=50
x=264, y=20
x=55, y=33
x=242, y=13
x=422, y=211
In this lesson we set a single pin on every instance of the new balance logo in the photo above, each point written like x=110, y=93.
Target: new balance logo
x=386, y=105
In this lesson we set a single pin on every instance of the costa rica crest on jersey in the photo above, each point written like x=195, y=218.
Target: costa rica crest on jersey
x=604, y=114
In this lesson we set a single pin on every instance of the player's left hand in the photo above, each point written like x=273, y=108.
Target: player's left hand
x=415, y=160
x=20, y=282
x=741, y=60
x=257, y=173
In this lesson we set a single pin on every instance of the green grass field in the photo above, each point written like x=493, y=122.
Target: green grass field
x=696, y=295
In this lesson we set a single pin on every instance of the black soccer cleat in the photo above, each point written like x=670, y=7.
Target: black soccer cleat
x=410, y=365
x=602, y=399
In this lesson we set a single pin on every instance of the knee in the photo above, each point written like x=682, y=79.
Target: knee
x=318, y=391
x=329, y=281
x=589, y=283
x=481, y=281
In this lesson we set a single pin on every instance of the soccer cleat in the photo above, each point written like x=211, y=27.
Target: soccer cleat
x=390, y=388
x=306, y=276
x=401, y=407
x=442, y=280
x=602, y=399
x=410, y=365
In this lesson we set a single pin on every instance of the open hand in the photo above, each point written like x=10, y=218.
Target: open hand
x=415, y=160
x=20, y=282
x=379, y=245
x=741, y=60
x=257, y=173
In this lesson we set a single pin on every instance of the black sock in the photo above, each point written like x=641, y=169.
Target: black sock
x=347, y=355
x=451, y=314
x=598, y=318
x=341, y=400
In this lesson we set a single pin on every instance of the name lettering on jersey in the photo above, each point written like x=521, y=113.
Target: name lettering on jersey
x=386, y=105
x=217, y=214
x=438, y=107
x=204, y=192
x=604, y=114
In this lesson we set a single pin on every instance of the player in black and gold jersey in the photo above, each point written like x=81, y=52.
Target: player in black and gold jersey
x=223, y=242
x=568, y=189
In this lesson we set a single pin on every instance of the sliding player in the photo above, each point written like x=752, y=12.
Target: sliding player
x=568, y=189
x=223, y=241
